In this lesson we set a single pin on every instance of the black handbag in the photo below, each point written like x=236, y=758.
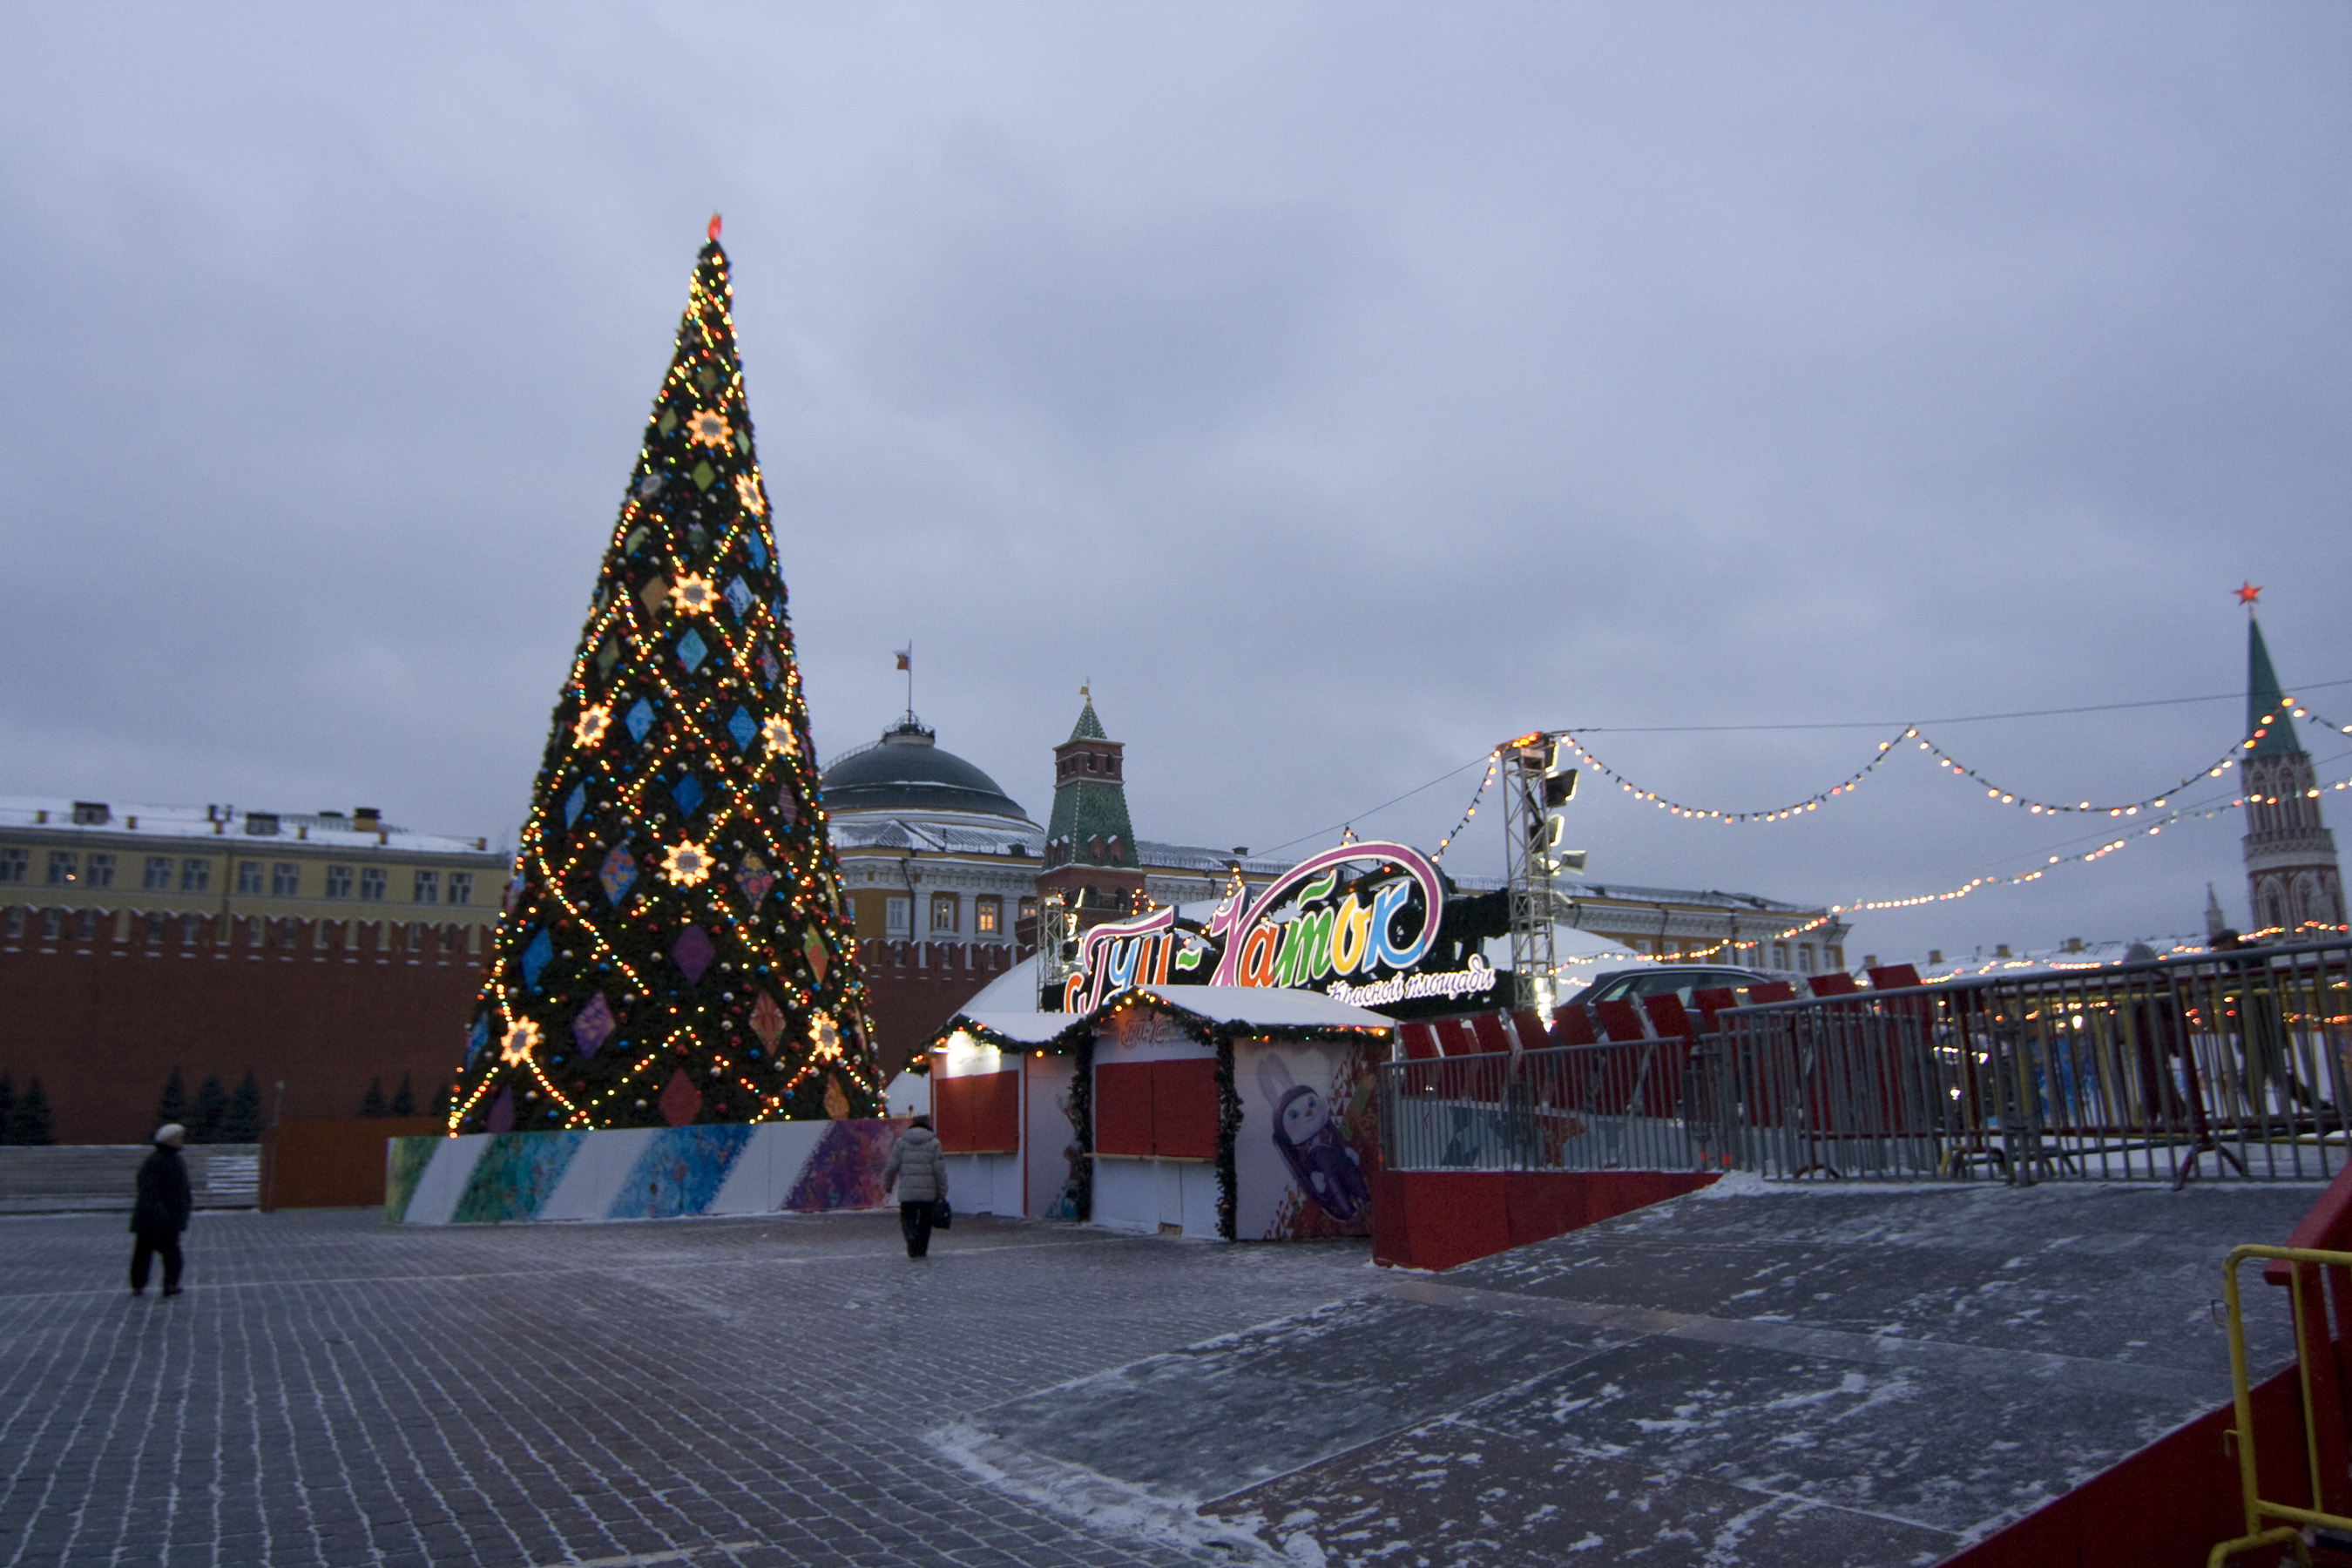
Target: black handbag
x=942, y=1217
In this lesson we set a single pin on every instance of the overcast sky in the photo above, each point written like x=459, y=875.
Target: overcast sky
x=1338, y=388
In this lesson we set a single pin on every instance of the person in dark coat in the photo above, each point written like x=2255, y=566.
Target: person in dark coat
x=162, y=1212
x=919, y=1167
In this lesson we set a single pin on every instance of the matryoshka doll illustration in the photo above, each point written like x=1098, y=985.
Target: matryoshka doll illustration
x=1327, y=1169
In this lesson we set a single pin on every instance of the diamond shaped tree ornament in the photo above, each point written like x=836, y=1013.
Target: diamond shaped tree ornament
x=535, y=959
x=682, y=1103
x=681, y=695
x=617, y=873
x=592, y=1024
x=692, y=952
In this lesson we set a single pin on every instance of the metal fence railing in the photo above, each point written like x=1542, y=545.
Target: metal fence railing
x=2231, y=1063
x=1568, y=1108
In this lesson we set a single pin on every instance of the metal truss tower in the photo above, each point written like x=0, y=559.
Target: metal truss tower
x=1535, y=789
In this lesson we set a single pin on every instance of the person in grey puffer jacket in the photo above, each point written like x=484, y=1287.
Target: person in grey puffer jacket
x=919, y=1167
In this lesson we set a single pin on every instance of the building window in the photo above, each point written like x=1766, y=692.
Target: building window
x=101, y=873
x=13, y=864
x=15, y=922
x=416, y=936
x=461, y=887
x=53, y=922
x=429, y=888
x=339, y=882
x=248, y=878
x=1028, y=909
x=155, y=927
x=189, y=926
x=89, y=923
x=895, y=915
x=1805, y=957
x=285, y=879
x=372, y=882
x=943, y=911
x=1837, y=957
x=987, y=915
x=195, y=876
x=157, y=878
x=1779, y=955
x=322, y=934
x=64, y=868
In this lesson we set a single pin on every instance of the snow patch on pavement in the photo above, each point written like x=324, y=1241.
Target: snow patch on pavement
x=1110, y=1506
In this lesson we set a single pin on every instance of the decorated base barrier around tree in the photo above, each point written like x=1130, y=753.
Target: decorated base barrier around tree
x=670, y=1172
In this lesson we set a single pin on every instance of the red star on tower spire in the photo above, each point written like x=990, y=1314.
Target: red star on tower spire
x=2248, y=593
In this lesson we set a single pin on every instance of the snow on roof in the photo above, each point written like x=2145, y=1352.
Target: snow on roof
x=938, y=834
x=1268, y=1006
x=327, y=829
x=1014, y=991
x=1029, y=1028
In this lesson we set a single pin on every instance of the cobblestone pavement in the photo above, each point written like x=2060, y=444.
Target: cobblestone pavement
x=752, y=1392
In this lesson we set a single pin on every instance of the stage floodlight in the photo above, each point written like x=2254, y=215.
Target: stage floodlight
x=1559, y=790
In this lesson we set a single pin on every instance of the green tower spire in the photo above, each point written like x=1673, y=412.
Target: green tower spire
x=673, y=948
x=2265, y=699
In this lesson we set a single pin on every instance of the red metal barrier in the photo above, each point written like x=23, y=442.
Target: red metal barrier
x=1438, y=1219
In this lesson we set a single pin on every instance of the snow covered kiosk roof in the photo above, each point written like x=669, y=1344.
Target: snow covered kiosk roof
x=1007, y=1028
x=1255, y=1009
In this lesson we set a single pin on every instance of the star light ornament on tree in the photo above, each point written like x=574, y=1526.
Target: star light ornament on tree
x=674, y=947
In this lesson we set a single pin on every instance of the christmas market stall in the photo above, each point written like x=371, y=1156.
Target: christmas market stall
x=1226, y=1112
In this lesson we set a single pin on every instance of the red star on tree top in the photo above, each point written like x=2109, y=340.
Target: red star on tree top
x=2248, y=593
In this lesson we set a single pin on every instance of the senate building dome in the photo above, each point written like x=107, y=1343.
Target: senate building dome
x=907, y=771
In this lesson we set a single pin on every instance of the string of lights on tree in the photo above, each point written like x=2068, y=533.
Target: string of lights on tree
x=673, y=947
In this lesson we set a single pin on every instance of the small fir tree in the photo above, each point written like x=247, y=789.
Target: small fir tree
x=29, y=1122
x=212, y=1107
x=173, y=1104
x=242, y=1122
x=405, y=1102
x=674, y=947
x=372, y=1102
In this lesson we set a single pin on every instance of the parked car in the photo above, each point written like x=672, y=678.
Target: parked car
x=1659, y=979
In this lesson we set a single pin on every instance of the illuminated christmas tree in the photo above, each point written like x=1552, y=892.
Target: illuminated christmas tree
x=674, y=947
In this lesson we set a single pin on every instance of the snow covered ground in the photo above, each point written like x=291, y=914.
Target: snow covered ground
x=1763, y=1374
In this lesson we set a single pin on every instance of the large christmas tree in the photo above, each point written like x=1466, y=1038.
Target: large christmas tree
x=674, y=947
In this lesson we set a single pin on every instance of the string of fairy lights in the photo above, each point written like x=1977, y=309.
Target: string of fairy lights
x=1947, y=762
x=1944, y=763
x=2085, y=856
